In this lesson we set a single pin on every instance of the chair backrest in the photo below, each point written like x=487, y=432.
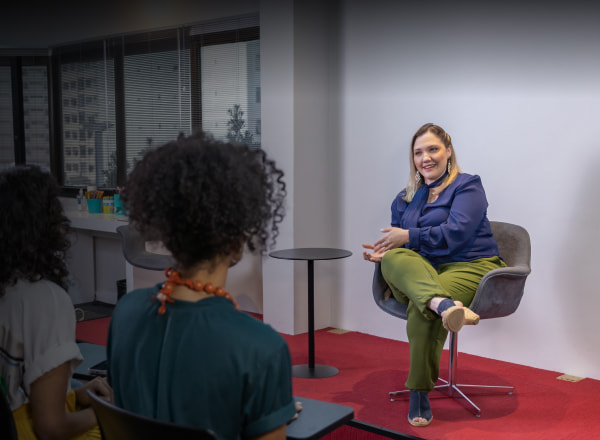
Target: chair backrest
x=118, y=424
x=134, y=250
x=8, y=430
x=500, y=290
x=514, y=244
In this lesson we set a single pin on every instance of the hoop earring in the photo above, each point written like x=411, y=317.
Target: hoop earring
x=418, y=177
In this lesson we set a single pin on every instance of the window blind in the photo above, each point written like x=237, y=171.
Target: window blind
x=36, y=115
x=156, y=74
x=228, y=54
x=7, y=148
x=87, y=115
x=112, y=99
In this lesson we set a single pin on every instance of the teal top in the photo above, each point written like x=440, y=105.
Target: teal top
x=202, y=364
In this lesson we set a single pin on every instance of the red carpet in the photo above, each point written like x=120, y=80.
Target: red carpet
x=542, y=406
x=94, y=331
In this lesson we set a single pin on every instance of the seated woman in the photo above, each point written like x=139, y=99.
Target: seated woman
x=439, y=246
x=181, y=351
x=38, y=352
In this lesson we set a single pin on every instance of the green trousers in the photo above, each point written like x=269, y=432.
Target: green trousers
x=414, y=281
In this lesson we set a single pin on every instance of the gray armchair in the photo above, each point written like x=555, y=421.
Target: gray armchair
x=134, y=250
x=499, y=294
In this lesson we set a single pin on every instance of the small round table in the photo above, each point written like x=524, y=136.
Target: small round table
x=311, y=370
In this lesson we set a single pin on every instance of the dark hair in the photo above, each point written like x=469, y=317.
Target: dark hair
x=33, y=228
x=204, y=198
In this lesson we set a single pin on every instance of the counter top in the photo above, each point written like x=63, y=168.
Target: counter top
x=96, y=222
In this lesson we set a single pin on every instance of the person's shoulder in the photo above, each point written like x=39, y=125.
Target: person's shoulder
x=43, y=304
x=42, y=291
x=399, y=199
x=254, y=327
x=133, y=298
x=140, y=293
x=252, y=323
x=464, y=179
x=26, y=297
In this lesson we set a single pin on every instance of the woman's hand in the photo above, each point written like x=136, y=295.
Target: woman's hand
x=393, y=238
x=99, y=386
x=298, y=405
x=374, y=257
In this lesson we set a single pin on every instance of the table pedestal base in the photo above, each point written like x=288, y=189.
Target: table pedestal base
x=318, y=372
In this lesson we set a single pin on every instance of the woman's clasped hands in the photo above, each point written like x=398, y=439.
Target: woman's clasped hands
x=393, y=238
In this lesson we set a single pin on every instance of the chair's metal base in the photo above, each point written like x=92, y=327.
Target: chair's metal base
x=456, y=392
x=451, y=387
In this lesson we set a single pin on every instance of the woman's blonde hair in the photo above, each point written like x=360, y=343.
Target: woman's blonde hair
x=413, y=185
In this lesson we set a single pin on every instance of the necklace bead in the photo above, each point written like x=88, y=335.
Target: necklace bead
x=173, y=279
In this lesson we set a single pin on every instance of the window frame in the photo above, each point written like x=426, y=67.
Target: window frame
x=16, y=60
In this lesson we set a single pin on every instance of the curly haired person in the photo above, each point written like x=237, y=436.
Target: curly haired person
x=181, y=351
x=38, y=352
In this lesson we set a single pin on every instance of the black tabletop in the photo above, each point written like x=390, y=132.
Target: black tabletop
x=317, y=418
x=311, y=254
x=92, y=354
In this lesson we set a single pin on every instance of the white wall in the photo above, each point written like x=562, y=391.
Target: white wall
x=518, y=89
x=277, y=105
x=297, y=132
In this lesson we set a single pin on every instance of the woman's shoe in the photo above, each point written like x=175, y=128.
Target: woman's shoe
x=471, y=318
x=419, y=412
x=453, y=318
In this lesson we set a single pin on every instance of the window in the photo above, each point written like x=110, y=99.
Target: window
x=113, y=99
x=86, y=70
x=24, y=111
x=7, y=152
x=156, y=77
x=230, y=83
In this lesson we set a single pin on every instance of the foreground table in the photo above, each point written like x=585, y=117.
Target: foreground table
x=92, y=354
x=311, y=370
x=318, y=418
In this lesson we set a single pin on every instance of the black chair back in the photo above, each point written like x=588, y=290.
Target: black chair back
x=8, y=430
x=119, y=424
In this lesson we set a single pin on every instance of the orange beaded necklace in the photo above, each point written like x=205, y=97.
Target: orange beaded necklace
x=173, y=278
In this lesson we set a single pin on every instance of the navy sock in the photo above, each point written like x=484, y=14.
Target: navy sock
x=445, y=305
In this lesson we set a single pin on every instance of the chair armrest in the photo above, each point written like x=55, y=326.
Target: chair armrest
x=500, y=291
x=383, y=295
